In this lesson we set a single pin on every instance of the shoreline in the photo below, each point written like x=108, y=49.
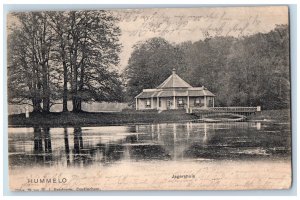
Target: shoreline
x=70, y=119
x=100, y=119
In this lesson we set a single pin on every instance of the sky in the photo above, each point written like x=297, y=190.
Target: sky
x=178, y=25
x=193, y=24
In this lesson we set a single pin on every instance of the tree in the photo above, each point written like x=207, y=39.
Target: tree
x=58, y=50
x=261, y=66
x=150, y=64
x=247, y=71
x=93, y=50
x=58, y=22
x=206, y=63
x=28, y=63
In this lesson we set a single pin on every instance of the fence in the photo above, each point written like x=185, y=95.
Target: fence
x=235, y=110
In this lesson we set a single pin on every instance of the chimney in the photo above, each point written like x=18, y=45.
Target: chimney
x=174, y=71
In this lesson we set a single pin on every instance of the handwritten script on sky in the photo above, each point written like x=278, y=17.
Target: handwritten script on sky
x=191, y=24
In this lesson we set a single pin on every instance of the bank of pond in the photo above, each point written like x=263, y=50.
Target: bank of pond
x=136, y=117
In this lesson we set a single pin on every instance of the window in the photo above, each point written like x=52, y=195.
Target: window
x=159, y=103
x=148, y=103
x=210, y=103
x=180, y=102
x=197, y=101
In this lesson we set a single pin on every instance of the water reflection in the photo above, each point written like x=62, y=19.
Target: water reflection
x=67, y=147
x=42, y=151
x=84, y=146
x=38, y=145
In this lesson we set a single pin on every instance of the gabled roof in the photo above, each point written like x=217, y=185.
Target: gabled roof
x=166, y=89
x=174, y=81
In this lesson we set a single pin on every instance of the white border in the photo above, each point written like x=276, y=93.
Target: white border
x=159, y=3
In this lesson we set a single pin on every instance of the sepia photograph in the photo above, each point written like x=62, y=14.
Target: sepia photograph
x=149, y=99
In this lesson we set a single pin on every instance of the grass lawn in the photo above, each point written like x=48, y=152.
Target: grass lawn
x=88, y=118
x=278, y=115
x=125, y=117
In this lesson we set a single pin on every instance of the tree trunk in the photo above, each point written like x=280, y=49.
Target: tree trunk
x=65, y=68
x=65, y=92
x=36, y=103
x=46, y=93
x=76, y=104
x=46, y=105
x=76, y=100
x=44, y=53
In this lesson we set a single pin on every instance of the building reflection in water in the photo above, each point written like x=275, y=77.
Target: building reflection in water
x=205, y=133
x=144, y=143
x=85, y=146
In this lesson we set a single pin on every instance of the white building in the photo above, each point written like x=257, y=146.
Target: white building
x=174, y=93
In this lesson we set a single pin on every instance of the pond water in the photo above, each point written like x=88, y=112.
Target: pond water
x=80, y=147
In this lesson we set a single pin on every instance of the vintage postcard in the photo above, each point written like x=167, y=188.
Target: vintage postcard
x=149, y=99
